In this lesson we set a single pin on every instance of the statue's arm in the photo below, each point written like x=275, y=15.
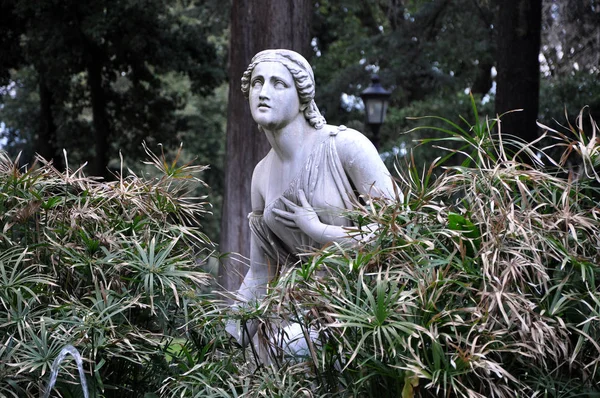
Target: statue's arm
x=252, y=290
x=364, y=166
x=261, y=272
x=254, y=285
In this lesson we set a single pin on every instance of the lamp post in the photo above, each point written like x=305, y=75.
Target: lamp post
x=376, y=100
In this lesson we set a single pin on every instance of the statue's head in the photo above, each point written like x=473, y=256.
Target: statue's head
x=304, y=80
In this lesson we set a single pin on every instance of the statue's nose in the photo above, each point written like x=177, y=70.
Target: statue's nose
x=264, y=92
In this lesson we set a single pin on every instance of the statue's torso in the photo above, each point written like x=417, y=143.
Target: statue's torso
x=327, y=189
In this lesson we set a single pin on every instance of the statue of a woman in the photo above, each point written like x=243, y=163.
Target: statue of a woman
x=311, y=175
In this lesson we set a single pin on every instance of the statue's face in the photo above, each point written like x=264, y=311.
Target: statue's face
x=273, y=97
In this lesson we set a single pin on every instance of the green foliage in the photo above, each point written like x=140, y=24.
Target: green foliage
x=104, y=64
x=409, y=126
x=411, y=45
x=114, y=269
x=20, y=113
x=202, y=127
x=570, y=94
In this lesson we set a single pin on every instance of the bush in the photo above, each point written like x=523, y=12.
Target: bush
x=112, y=268
x=480, y=283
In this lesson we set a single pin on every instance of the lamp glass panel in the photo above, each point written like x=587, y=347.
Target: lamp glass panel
x=375, y=110
x=384, y=111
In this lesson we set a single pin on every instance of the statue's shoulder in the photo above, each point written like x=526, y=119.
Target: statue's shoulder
x=345, y=136
x=263, y=163
x=260, y=177
x=352, y=146
x=260, y=172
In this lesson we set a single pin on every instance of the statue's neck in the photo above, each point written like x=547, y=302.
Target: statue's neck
x=289, y=142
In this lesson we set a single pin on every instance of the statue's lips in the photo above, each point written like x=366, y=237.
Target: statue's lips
x=262, y=105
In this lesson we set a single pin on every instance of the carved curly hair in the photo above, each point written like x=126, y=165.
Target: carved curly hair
x=303, y=79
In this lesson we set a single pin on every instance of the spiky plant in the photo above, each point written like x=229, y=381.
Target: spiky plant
x=112, y=268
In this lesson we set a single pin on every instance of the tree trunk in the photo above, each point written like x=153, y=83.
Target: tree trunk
x=255, y=25
x=518, y=79
x=100, y=122
x=45, y=144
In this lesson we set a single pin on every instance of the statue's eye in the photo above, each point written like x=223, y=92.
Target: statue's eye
x=256, y=82
x=280, y=84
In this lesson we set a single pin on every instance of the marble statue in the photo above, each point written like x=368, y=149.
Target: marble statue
x=310, y=177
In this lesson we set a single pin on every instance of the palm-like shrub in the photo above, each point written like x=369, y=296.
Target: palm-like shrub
x=483, y=282
x=113, y=268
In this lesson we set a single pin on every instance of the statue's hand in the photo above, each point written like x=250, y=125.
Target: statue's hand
x=303, y=217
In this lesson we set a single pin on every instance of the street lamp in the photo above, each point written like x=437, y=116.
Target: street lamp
x=376, y=100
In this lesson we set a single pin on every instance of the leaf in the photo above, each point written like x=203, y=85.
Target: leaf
x=410, y=382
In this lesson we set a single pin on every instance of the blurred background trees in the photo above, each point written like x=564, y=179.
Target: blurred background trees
x=106, y=74
x=96, y=77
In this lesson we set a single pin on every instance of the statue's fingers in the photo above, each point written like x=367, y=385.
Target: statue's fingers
x=286, y=222
x=289, y=203
x=303, y=200
x=284, y=214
